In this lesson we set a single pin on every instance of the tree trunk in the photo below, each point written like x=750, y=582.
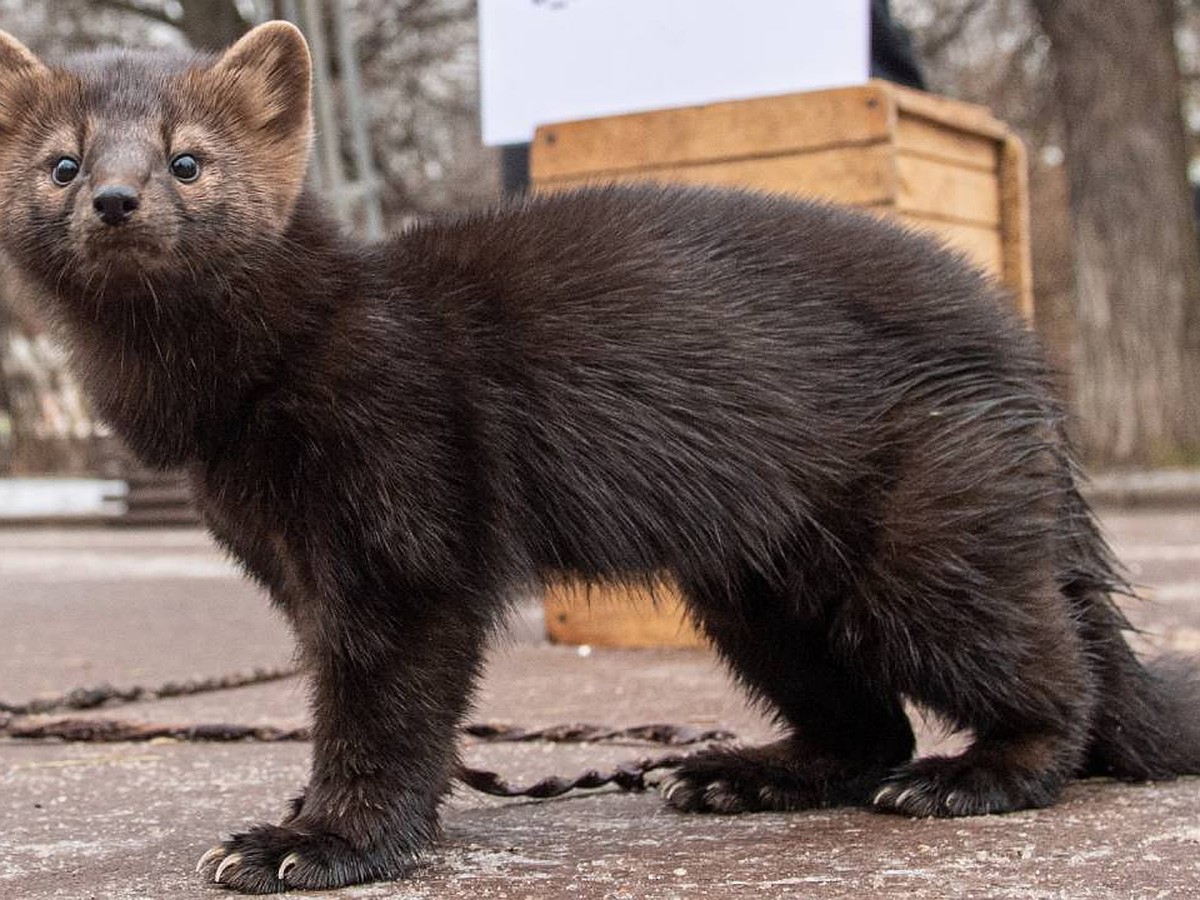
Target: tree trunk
x=52, y=429
x=1137, y=362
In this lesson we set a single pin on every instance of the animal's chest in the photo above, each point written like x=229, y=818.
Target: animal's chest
x=252, y=508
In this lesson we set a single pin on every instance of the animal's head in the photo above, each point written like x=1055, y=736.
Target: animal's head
x=119, y=161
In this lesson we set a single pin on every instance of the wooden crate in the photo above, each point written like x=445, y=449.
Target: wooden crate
x=934, y=163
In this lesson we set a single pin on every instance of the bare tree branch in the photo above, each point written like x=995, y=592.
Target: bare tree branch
x=157, y=15
x=935, y=41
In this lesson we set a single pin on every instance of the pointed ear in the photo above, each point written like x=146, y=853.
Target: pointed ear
x=18, y=67
x=15, y=56
x=267, y=77
x=270, y=68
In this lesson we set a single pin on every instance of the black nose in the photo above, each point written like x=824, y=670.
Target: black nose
x=115, y=204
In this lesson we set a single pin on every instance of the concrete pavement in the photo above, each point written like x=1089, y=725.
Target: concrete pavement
x=84, y=607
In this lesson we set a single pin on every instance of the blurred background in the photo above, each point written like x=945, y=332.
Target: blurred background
x=1105, y=93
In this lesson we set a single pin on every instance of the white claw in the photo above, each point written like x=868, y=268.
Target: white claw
x=904, y=795
x=289, y=862
x=231, y=860
x=210, y=854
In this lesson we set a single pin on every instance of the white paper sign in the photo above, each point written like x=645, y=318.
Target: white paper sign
x=545, y=61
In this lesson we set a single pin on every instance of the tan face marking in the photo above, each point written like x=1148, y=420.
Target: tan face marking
x=200, y=142
x=61, y=141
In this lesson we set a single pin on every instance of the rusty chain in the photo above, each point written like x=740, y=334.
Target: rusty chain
x=26, y=721
x=107, y=695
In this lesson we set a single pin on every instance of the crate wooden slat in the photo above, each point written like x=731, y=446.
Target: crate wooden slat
x=744, y=129
x=937, y=164
x=981, y=244
x=945, y=190
x=862, y=175
x=618, y=616
x=1014, y=224
x=922, y=137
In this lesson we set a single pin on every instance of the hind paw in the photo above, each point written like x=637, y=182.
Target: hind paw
x=962, y=786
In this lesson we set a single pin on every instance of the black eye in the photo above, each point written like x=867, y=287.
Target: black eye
x=185, y=167
x=64, y=171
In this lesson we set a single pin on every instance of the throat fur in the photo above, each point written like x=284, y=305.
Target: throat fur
x=200, y=347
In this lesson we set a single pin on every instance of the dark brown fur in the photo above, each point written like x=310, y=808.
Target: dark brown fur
x=831, y=432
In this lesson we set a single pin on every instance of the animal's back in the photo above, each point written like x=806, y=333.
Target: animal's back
x=685, y=375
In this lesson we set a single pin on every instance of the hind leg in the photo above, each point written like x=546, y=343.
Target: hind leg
x=962, y=606
x=1016, y=676
x=998, y=773
x=844, y=737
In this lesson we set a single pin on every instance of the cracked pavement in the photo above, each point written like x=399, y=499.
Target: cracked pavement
x=82, y=607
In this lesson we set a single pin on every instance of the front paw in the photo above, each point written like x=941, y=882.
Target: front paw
x=973, y=784
x=739, y=780
x=268, y=859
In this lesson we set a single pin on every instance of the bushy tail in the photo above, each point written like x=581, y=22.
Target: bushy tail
x=1147, y=721
x=1147, y=725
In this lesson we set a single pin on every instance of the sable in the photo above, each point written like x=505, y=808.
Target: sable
x=832, y=433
